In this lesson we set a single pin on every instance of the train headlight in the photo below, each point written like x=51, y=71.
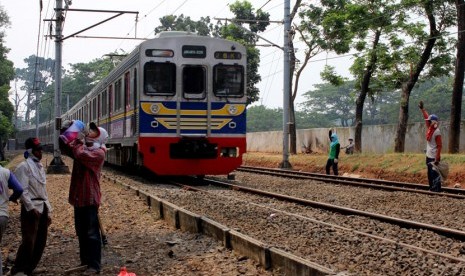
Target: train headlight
x=155, y=108
x=230, y=152
x=232, y=109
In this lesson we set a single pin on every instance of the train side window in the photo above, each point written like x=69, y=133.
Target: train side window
x=104, y=103
x=159, y=78
x=118, y=95
x=228, y=80
x=110, y=98
x=194, y=81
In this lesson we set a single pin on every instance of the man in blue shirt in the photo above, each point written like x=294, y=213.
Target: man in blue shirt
x=7, y=181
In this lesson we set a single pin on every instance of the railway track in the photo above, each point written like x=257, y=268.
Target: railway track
x=358, y=182
x=447, y=232
x=399, y=241
x=346, y=242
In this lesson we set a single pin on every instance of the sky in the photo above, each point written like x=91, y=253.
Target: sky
x=22, y=36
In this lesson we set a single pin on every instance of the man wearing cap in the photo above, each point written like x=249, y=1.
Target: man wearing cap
x=85, y=195
x=433, y=148
x=35, y=209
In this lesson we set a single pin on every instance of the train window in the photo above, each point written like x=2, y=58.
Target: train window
x=104, y=103
x=110, y=98
x=160, y=78
x=228, y=80
x=118, y=95
x=193, y=81
x=94, y=110
x=127, y=90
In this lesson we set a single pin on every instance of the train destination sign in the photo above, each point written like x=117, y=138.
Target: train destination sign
x=193, y=51
x=228, y=55
x=159, y=53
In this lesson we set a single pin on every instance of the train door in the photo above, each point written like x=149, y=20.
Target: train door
x=194, y=117
x=127, y=106
x=133, y=100
x=110, y=108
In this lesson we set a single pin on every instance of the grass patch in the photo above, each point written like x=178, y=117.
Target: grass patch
x=355, y=167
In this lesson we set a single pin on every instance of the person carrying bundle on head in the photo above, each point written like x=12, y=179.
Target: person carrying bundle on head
x=85, y=195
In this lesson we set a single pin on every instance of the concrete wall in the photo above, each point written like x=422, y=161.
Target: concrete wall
x=375, y=139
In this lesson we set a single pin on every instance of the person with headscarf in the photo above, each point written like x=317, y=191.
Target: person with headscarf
x=433, y=148
x=85, y=194
x=334, y=149
x=7, y=181
x=35, y=209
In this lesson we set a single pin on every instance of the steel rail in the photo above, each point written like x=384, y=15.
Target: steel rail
x=253, y=191
x=448, y=232
x=360, y=182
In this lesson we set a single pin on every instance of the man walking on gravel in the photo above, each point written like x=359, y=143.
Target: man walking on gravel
x=35, y=209
x=433, y=148
x=85, y=195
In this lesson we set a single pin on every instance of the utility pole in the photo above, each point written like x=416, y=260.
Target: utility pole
x=57, y=166
x=286, y=87
x=37, y=111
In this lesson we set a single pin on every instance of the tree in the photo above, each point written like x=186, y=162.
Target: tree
x=180, y=23
x=334, y=102
x=77, y=82
x=261, y=118
x=6, y=75
x=244, y=14
x=37, y=75
x=310, y=34
x=456, y=107
x=365, y=26
x=406, y=66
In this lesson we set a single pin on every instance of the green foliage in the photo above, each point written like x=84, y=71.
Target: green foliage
x=261, y=118
x=235, y=32
x=6, y=107
x=180, y=23
x=336, y=103
x=6, y=66
x=6, y=75
x=328, y=74
x=77, y=82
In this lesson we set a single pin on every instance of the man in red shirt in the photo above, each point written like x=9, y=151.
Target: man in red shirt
x=85, y=195
x=433, y=148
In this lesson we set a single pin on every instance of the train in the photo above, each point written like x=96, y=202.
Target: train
x=175, y=105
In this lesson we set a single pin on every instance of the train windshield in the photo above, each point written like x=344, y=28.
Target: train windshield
x=159, y=78
x=228, y=80
x=194, y=81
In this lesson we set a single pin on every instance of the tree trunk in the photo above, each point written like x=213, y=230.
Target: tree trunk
x=456, y=106
x=2, y=152
x=408, y=85
x=360, y=102
x=27, y=117
x=403, y=120
x=292, y=129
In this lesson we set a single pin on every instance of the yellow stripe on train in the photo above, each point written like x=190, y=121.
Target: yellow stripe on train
x=226, y=110
x=192, y=123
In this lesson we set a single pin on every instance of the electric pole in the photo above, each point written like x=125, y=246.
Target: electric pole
x=286, y=86
x=57, y=166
